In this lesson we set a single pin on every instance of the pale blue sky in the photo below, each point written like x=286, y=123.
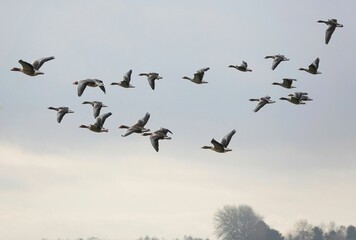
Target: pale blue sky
x=288, y=162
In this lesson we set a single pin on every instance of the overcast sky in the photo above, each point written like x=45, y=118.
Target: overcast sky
x=288, y=162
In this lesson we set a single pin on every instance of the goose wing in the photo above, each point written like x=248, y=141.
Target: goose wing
x=39, y=62
x=259, y=105
x=288, y=82
x=226, y=140
x=276, y=62
x=244, y=64
x=218, y=146
x=315, y=65
x=96, y=108
x=100, y=84
x=26, y=66
x=142, y=122
x=329, y=31
x=61, y=112
x=101, y=119
x=82, y=85
x=154, y=141
x=127, y=76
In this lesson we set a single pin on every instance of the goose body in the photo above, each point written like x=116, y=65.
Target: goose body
x=32, y=69
x=98, y=126
x=277, y=59
x=287, y=83
x=261, y=102
x=312, y=68
x=82, y=84
x=160, y=134
x=297, y=98
x=125, y=82
x=138, y=127
x=221, y=147
x=61, y=111
x=332, y=25
x=151, y=77
x=96, y=107
x=242, y=67
x=198, y=76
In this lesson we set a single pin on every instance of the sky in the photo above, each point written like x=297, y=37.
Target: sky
x=287, y=162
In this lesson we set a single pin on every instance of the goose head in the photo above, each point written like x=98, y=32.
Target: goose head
x=188, y=78
x=16, y=69
x=76, y=83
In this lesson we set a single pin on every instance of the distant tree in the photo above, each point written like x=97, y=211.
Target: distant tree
x=335, y=232
x=235, y=223
x=318, y=233
x=264, y=232
x=351, y=233
x=303, y=230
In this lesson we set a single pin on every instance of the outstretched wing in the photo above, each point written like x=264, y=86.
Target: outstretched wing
x=127, y=76
x=101, y=119
x=329, y=32
x=315, y=65
x=26, y=66
x=39, y=62
x=154, y=141
x=218, y=146
x=142, y=122
x=226, y=140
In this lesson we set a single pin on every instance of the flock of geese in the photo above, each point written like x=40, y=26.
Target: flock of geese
x=161, y=134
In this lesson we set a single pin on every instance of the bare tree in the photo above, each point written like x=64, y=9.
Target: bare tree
x=303, y=230
x=235, y=223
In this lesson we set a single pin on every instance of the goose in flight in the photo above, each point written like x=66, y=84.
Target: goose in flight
x=160, y=134
x=96, y=107
x=125, y=82
x=242, y=67
x=32, y=69
x=287, y=83
x=277, y=59
x=82, y=84
x=61, y=111
x=297, y=98
x=313, y=68
x=261, y=102
x=98, y=126
x=221, y=147
x=151, y=77
x=138, y=127
x=198, y=76
x=332, y=23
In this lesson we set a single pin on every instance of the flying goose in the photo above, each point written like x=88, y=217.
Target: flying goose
x=277, y=59
x=313, y=68
x=242, y=67
x=151, y=77
x=32, y=69
x=96, y=107
x=198, y=76
x=125, y=82
x=138, y=127
x=332, y=23
x=222, y=146
x=160, y=134
x=99, y=123
x=61, y=111
x=297, y=98
x=82, y=84
x=287, y=83
x=261, y=102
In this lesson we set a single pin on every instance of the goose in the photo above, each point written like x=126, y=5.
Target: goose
x=82, y=84
x=61, y=111
x=277, y=59
x=221, y=147
x=160, y=134
x=198, y=76
x=287, y=83
x=96, y=107
x=151, y=77
x=261, y=102
x=125, y=82
x=312, y=68
x=297, y=98
x=99, y=123
x=138, y=127
x=32, y=69
x=332, y=23
x=242, y=67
